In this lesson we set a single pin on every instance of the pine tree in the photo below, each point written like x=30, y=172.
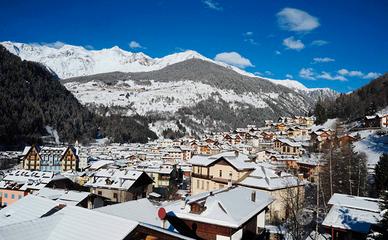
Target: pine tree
x=381, y=174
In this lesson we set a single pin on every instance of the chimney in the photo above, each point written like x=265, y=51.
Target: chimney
x=236, y=152
x=253, y=196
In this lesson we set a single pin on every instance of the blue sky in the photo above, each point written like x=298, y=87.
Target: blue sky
x=337, y=44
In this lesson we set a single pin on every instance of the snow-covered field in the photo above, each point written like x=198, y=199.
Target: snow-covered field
x=372, y=145
x=159, y=96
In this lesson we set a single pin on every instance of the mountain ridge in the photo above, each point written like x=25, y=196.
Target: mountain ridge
x=78, y=61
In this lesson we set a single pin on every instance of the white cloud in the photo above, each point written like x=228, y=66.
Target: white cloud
x=269, y=73
x=292, y=43
x=289, y=76
x=352, y=73
x=323, y=60
x=212, y=4
x=328, y=76
x=248, y=38
x=233, y=58
x=307, y=73
x=296, y=20
x=319, y=43
x=134, y=44
x=372, y=75
x=277, y=52
x=57, y=44
x=356, y=73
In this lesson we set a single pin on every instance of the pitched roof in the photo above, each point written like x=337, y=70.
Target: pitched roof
x=27, y=208
x=68, y=197
x=239, y=161
x=221, y=208
x=141, y=210
x=264, y=178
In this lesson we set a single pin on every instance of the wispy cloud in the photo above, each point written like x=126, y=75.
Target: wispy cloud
x=319, y=43
x=56, y=44
x=323, y=60
x=359, y=74
x=233, y=58
x=307, y=73
x=248, y=37
x=212, y=4
x=328, y=76
x=134, y=45
x=310, y=74
x=371, y=75
x=296, y=20
x=294, y=44
x=289, y=76
x=277, y=52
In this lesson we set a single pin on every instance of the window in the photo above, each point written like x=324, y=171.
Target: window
x=220, y=173
x=207, y=185
x=99, y=193
x=20, y=196
x=115, y=195
x=5, y=204
x=197, y=183
x=5, y=195
x=13, y=196
x=0, y=194
x=288, y=149
x=203, y=184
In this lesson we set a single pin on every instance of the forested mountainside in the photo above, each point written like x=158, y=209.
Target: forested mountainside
x=31, y=99
x=363, y=101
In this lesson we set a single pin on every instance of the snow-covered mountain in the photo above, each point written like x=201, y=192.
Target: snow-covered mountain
x=73, y=61
x=199, y=92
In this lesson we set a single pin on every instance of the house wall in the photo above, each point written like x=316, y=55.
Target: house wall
x=278, y=208
x=9, y=196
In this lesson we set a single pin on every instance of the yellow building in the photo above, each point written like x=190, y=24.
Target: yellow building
x=217, y=171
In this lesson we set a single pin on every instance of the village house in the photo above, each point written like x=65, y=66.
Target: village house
x=19, y=183
x=372, y=121
x=280, y=186
x=229, y=213
x=384, y=120
x=351, y=217
x=216, y=171
x=120, y=185
x=286, y=146
x=50, y=159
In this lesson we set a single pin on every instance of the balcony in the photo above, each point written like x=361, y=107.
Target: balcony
x=203, y=176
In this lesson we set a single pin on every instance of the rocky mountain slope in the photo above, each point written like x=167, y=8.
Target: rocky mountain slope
x=197, y=92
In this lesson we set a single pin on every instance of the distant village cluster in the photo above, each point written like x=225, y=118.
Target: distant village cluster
x=242, y=184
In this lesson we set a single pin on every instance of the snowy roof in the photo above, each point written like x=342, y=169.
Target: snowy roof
x=71, y=223
x=25, y=209
x=114, y=178
x=239, y=161
x=100, y=163
x=264, y=178
x=351, y=219
x=221, y=208
x=25, y=179
x=68, y=197
x=88, y=224
x=141, y=210
x=362, y=203
x=289, y=142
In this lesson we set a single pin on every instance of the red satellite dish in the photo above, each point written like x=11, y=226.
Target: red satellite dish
x=162, y=213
